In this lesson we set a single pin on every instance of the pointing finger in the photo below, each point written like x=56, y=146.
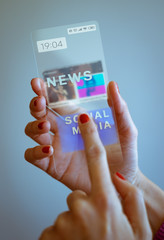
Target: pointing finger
x=96, y=156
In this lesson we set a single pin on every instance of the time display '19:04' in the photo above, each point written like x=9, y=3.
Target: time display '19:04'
x=51, y=44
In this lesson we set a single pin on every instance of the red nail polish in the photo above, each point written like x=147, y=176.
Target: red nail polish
x=46, y=149
x=35, y=102
x=40, y=125
x=120, y=176
x=84, y=118
x=118, y=88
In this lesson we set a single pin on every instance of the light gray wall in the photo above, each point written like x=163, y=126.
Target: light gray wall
x=133, y=39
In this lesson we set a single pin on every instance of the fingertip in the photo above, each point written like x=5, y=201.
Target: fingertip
x=84, y=118
x=38, y=153
x=111, y=83
x=110, y=92
x=113, y=88
x=36, y=86
x=44, y=126
x=122, y=185
x=114, y=97
x=95, y=154
x=118, y=179
x=38, y=103
x=25, y=154
x=48, y=150
x=84, y=121
x=86, y=125
x=33, y=81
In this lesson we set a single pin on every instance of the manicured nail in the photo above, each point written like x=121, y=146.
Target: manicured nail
x=40, y=125
x=84, y=118
x=117, y=88
x=35, y=102
x=46, y=149
x=120, y=176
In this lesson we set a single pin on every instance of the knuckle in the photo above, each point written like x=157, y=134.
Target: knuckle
x=82, y=208
x=72, y=196
x=60, y=221
x=82, y=204
x=79, y=205
x=102, y=201
x=95, y=151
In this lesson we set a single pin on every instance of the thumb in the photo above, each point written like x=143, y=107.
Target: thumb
x=124, y=121
x=49, y=234
x=133, y=205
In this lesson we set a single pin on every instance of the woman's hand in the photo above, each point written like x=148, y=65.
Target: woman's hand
x=71, y=168
x=100, y=215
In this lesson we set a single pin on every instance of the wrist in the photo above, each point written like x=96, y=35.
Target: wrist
x=154, y=200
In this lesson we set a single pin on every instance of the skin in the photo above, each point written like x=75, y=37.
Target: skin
x=71, y=168
x=100, y=214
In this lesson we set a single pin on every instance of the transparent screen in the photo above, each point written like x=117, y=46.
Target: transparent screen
x=71, y=62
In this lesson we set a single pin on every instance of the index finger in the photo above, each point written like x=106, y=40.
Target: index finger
x=96, y=156
x=38, y=86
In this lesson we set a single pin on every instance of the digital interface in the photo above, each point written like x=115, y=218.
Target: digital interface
x=71, y=62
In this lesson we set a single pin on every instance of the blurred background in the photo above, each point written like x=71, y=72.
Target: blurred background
x=133, y=40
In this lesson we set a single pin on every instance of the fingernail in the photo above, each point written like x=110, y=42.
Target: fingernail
x=36, y=100
x=46, y=149
x=117, y=88
x=120, y=176
x=84, y=118
x=40, y=125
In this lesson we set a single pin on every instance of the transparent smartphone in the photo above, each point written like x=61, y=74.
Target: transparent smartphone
x=71, y=62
